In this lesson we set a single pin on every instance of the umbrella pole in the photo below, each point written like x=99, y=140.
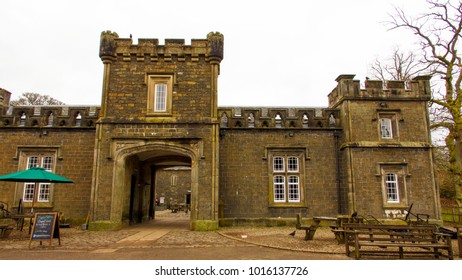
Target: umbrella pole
x=33, y=198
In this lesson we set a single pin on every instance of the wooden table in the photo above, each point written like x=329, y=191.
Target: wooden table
x=19, y=218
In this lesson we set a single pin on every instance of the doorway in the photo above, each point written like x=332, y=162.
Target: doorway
x=158, y=184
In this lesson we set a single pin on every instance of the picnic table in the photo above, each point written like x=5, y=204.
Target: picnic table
x=384, y=240
x=336, y=223
x=175, y=207
x=310, y=229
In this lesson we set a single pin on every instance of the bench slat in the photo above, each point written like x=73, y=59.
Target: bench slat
x=396, y=236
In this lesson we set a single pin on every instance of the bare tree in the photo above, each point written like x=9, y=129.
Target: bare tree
x=29, y=98
x=399, y=66
x=438, y=32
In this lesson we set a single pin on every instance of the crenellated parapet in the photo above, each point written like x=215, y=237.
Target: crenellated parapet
x=50, y=116
x=275, y=117
x=150, y=50
x=348, y=88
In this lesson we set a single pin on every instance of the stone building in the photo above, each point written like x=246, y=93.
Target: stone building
x=160, y=131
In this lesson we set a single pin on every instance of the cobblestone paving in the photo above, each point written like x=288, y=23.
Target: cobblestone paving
x=173, y=232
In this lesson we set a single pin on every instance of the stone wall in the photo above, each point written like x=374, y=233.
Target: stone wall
x=173, y=184
x=245, y=182
x=74, y=151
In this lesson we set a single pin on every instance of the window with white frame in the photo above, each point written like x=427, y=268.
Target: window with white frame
x=392, y=187
x=44, y=189
x=286, y=177
x=388, y=125
x=160, y=98
x=160, y=94
x=386, y=129
x=394, y=184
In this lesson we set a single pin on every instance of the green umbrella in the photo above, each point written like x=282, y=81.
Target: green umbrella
x=36, y=175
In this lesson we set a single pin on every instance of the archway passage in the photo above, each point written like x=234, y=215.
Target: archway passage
x=159, y=180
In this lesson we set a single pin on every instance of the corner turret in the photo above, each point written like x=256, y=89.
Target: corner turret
x=347, y=88
x=4, y=100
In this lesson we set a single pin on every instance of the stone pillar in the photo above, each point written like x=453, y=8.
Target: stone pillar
x=107, y=55
x=215, y=56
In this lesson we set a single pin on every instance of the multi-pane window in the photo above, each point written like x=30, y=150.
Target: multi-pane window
x=28, y=192
x=392, y=187
x=294, y=189
x=44, y=192
x=394, y=190
x=386, y=128
x=160, y=90
x=286, y=179
x=32, y=161
x=279, y=184
x=278, y=164
x=292, y=164
x=388, y=124
x=46, y=162
x=160, y=99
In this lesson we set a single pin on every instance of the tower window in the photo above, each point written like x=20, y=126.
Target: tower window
x=160, y=92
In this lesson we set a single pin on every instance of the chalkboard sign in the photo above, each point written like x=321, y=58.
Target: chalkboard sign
x=45, y=227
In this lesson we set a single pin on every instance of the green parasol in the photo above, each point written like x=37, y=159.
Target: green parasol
x=36, y=175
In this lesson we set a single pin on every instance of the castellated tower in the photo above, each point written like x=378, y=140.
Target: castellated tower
x=159, y=109
x=386, y=147
x=4, y=99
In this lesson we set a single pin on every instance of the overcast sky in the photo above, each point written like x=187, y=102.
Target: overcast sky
x=277, y=53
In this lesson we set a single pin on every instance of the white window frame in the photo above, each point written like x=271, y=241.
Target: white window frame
x=293, y=188
x=28, y=193
x=160, y=95
x=286, y=179
x=393, y=184
x=392, y=187
x=46, y=161
x=279, y=186
x=44, y=191
x=291, y=163
x=32, y=161
x=278, y=164
x=386, y=128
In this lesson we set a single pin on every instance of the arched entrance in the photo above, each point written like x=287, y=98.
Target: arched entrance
x=151, y=177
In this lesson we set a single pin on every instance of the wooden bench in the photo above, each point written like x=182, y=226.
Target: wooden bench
x=310, y=229
x=459, y=240
x=393, y=239
x=5, y=230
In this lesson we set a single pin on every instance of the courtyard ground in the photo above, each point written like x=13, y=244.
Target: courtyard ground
x=168, y=236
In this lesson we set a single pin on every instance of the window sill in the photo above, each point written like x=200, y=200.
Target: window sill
x=287, y=205
x=37, y=205
x=399, y=205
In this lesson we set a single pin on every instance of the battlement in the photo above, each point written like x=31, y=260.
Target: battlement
x=347, y=88
x=50, y=116
x=112, y=47
x=278, y=117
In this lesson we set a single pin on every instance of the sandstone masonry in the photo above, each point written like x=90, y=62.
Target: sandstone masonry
x=159, y=133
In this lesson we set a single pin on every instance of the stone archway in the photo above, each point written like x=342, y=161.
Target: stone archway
x=125, y=164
